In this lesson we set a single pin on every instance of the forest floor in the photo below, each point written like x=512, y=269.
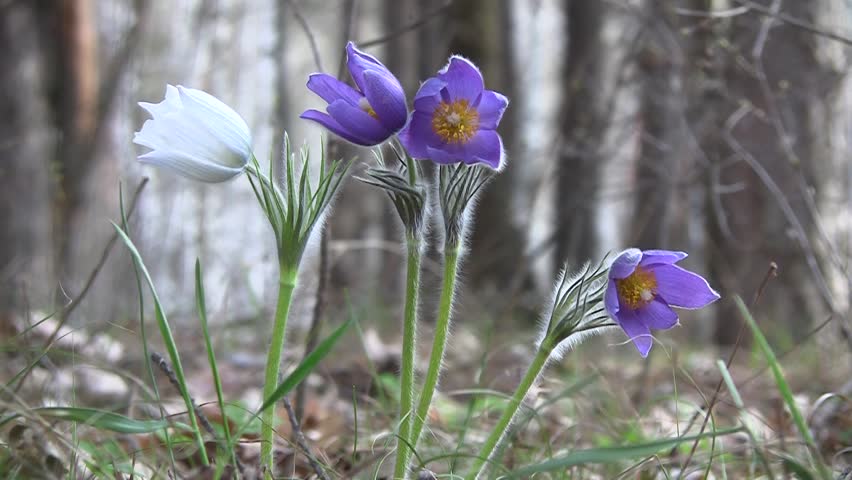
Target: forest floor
x=601, y=399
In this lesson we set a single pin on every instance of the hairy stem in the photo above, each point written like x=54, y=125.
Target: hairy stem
x=436, y=358
x=286, y=284
x=509, y=413
x=409, y=335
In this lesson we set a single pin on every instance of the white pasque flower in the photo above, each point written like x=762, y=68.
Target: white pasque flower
x=196, y=135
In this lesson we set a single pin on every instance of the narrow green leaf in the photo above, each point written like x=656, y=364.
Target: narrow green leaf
x=306, y=367
x=783, y=387
x=612, y=454
x=211, y=356
x=796, y=468
x=168, y=341
x=100, y=419
x=144, y=335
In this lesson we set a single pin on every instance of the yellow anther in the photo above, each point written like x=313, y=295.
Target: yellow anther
x=455, y=122
x=638, y=289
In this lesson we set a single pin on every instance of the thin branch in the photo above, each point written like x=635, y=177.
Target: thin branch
x=783, y=203
x=164, y=366
x=72, y=305
x=420, y=22
x=301, y=441
x=794, y=22
x=297, y=14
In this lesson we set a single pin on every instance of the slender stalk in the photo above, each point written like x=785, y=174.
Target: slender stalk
x=499, y=431
x=286, y=284
x=436, y=358
x=409, y=335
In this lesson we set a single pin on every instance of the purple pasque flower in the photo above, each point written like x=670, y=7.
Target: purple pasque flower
x=368, y=115
x=455, y=118
x=642, y=288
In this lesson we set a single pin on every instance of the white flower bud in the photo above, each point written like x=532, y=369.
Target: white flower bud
x=195, y=135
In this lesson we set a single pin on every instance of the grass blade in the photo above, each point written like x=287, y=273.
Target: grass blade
x=611, y=454
x=169, y=341
x=306, y=367
x=783, y=388
x=211, y=357
x=100, y=419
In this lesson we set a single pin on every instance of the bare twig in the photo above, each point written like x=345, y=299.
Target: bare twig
x=793, y=21
x=420, y=22
x=726, y=13
x=164, y=366
x=299, y=437
x=297, y=14
x=72, y=305
x=783, y=203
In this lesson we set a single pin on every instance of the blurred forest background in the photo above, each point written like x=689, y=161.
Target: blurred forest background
x=717, y=127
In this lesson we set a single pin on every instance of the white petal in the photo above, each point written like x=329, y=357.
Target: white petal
x=229, y=145
x=196, y=135
x=220, y=117
x=170, y=103
x=189, y=166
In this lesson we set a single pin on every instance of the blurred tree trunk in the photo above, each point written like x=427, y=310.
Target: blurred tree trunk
x=483, y=33
x=659, y=62
x=432, y=41
x=282, y=85
x=25, y=143
x=759, y=130
x=582, y=125
x=75, y=89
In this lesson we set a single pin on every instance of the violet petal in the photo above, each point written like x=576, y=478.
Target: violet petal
x=625, y=263
x=637, y=331
x=463, y=79
x=330, y=89
x=491, y=108
x=387, y=99
x=485, y=147
x=651, y=257
x=428, y=97
x=657, y=315
x=611, y=299
x=682, y=288
x=359, y=122
x=416, y=136
x=332, y=125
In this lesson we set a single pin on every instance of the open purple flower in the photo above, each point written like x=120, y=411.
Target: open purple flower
x=368, y=115
x=642, y=288
x=455, y=118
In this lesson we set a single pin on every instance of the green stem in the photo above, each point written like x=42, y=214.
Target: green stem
x=436, y=358
x=286, y=284
x=510, y=411
x=409, y=335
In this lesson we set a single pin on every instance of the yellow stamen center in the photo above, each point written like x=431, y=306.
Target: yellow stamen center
x=638, y=289
x=365, y=105
x=455, y=122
